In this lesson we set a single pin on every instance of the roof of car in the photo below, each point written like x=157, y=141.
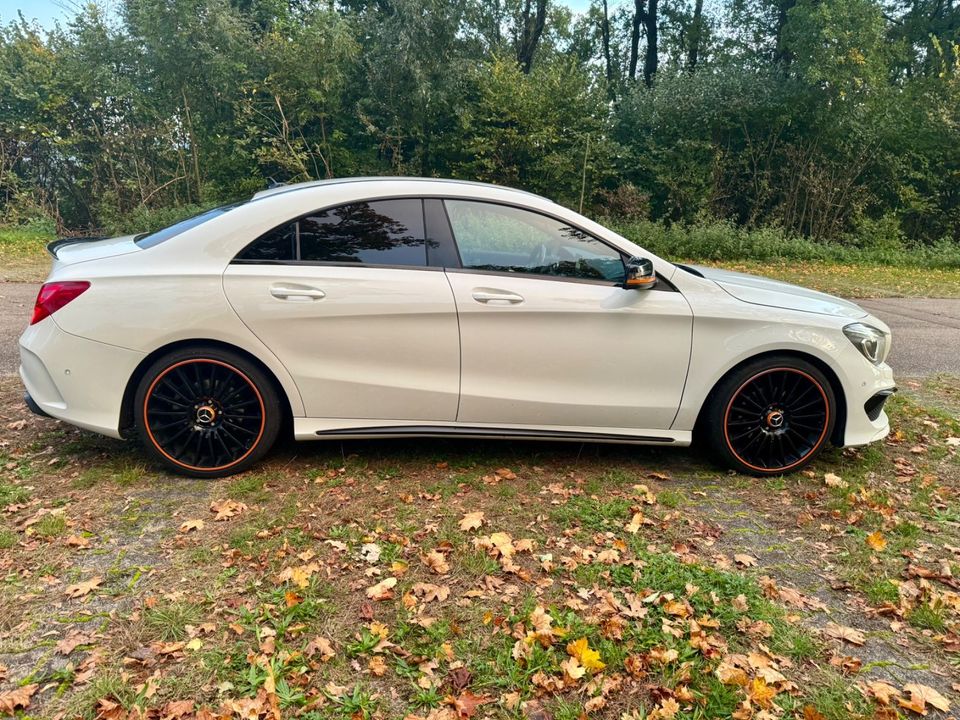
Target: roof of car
x=277, y=189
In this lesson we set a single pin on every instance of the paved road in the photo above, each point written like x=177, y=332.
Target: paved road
x=926, y=332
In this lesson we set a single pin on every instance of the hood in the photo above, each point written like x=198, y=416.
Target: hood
x=67, y=251
x=773, y=293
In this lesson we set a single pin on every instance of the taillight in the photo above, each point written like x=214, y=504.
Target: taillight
x=55, y=295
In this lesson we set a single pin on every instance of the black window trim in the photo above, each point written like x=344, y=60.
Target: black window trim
x=663, y=283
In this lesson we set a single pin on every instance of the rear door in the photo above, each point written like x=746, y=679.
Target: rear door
x=347, y=301
x=548, y=334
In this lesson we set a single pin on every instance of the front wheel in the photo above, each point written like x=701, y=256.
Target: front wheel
x=206, y=412
x=771, y=416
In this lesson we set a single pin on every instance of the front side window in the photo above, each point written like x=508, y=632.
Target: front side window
x=380, y=232
x=500, y=238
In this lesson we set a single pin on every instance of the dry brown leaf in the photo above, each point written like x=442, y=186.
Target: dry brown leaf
x=377, y=666
x=383, y=590
x=842, y=632
x=188, y=525
x=921, y=696
x=84, y=588
x=17, y=699
x=745, y=560
x=322, y=646
x=225, y=509
x=436, y=562
x=471, y=521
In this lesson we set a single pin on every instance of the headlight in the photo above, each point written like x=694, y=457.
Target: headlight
x=873, y=344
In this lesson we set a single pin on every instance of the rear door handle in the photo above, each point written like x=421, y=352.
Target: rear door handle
x=297, y=292
x=497, y=297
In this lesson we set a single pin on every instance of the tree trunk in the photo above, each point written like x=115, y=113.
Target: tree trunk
x=531, y=31
x=605, y=32
x=638, y=14
x=782, y=54
x=696, y=36
x=652, y=58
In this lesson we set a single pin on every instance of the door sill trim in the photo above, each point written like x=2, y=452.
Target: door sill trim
x=466, y=431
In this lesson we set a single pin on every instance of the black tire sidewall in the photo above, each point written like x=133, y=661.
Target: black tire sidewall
x=271, y=403
x=713, y=427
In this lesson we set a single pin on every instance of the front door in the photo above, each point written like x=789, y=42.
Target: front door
x=548, y=334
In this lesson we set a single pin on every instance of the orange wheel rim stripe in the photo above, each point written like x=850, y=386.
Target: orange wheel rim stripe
x=823, y=433
x=256, y=442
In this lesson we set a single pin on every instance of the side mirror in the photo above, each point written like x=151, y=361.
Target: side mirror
x=640, y=274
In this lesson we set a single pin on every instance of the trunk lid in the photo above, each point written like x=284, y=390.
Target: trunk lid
x=68, y=251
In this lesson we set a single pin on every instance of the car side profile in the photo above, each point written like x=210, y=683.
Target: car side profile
x=395, y=307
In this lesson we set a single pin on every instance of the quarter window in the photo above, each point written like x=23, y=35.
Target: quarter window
x=501, y=238
x=381, y=232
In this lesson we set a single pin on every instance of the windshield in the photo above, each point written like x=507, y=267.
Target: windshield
x=149, y=240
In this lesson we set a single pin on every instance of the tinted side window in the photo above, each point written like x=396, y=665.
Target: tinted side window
x=507, y=239
x=278, y=245
x=383, y=232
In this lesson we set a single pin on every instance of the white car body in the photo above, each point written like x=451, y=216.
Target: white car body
x=392, y=351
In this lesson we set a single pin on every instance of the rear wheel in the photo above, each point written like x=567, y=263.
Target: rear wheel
x=206, y=412
x=771, y=416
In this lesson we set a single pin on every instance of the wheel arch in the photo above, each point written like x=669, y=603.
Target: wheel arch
x=841, y=410
x=126, y=407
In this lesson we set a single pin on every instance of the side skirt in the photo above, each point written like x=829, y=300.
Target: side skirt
x=307, y=429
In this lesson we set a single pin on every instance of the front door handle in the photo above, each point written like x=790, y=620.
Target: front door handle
x=497, y=297
x=297, y=292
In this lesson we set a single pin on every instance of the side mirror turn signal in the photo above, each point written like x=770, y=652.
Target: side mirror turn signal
x=640, y=274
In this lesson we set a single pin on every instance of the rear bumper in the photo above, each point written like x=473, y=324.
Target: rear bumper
x=33, y=407
x=73, y=379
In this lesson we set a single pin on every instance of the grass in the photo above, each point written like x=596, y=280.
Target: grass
x=8, y=538
x=11, y=494
x=168, y=621
x=50, y=526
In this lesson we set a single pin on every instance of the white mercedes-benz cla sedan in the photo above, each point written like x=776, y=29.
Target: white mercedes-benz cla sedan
x=395, y=307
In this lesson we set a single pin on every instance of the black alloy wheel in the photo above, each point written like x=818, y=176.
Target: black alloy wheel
x=206, y=413
x=772, y=417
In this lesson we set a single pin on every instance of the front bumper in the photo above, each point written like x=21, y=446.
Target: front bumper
x=73, y=379
x=866, y=388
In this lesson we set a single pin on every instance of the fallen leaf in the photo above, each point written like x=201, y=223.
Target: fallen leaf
x=17, y=699
x=225, y=509
x=471, y=521
x=383, y=590
x=589, y=658
x=466, y=703
x=84, y=588
x=745, y=560
x=877, y=541
x=921, y=696
x=188, y=525
x=842, y=632
x=377, y=666
x=436, y=562
x=322, y=646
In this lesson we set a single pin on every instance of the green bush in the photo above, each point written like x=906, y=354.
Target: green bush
x=723, y=241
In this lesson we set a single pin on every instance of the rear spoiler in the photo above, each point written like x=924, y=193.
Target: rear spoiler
x=63, y=242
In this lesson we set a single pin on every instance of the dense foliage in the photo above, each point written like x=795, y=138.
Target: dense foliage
x=837, y=120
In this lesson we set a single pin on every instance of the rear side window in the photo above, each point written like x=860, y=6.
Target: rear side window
x=380, y=232
x=148, y=241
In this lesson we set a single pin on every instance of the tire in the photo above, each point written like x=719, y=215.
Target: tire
x=771, y=416
x=206, y=412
